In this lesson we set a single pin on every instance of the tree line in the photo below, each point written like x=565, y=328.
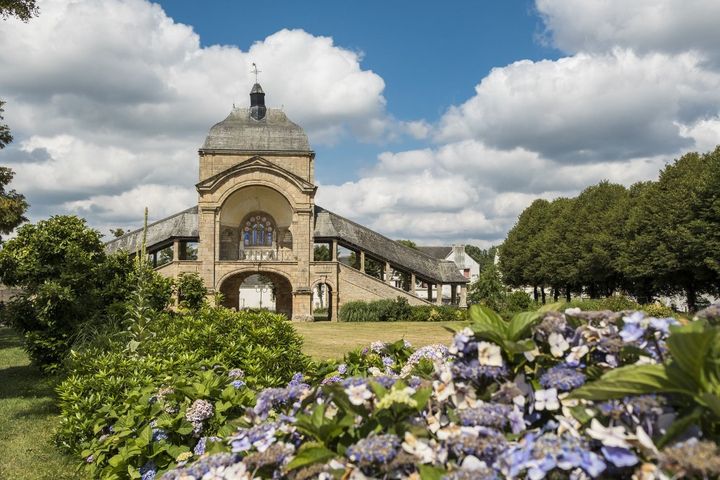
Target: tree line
x=655, y=238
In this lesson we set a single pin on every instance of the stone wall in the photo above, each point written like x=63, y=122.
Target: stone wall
x=355, y=285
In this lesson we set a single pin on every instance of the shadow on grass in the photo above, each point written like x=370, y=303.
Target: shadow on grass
x=9, y=338
x=25, y=382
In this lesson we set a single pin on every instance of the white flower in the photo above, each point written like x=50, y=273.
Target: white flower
x=609, y=436
x=358, y=394
x=558, y=344
x=531, y=354
x=572, y=311
x=424, y=452
x=375, y=372
x=576, y=353
x=489, y=354
x=546, y=399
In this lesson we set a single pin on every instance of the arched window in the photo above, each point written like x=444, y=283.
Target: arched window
x=258, y=230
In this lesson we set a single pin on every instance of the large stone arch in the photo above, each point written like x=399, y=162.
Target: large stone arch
x=230, y=284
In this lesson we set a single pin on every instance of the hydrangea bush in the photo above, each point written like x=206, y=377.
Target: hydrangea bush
x=544, y=395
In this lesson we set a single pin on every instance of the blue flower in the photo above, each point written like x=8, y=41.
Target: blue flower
x=237, y=384
x=562, y=378
x=374, y=449
x=493, y=415
x=342, y=369
x=148, y=471
x=159, y=434
x=387, y=361
x=200, y=446
x=619, y=456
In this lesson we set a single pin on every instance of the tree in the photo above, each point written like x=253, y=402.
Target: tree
x=12, y=204
x=117, y=232
x=5, y=136
x=559, y=252
x=408, y=243
x=321, y=253
x=488, y=289
x=66, y=280
x=481, y=256
x=22, y=9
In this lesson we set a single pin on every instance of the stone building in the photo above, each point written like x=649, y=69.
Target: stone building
x=256, y=214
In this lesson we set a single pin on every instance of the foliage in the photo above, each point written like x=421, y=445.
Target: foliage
x=397, y=310
x=67, y=281
x=262, y=344
x=159, y=426
x=321, y=253
x=482, y=256
x=12, y=204
x=654, y=238
x=22, y=9
x=191, y=291
x=483, y=410
x=408, y=243
x=488, y=289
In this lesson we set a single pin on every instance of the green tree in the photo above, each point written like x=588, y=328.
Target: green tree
x=21, y=9
x=672, y=229
x=12, y=204
x=408, y=243
x=117, y=232
x=321, y=253
x=5, y=136
x=488, y=289
x=481, y=256
x=67, y=282
x=559, y=252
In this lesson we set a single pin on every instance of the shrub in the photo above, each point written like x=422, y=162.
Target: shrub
x=263, y=345
x=658, y=310
x=615, y=303
x=191, y=291
x=398, y=310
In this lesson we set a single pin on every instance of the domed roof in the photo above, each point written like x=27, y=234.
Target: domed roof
x=257, y=129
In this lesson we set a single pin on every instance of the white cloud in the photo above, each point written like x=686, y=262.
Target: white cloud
x=105, y=96
x=672, y=26
x=588, y=107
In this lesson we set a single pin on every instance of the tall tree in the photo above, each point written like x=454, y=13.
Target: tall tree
x=481, y=256
x=12, y=204
x=21, y=9
x=559, y=251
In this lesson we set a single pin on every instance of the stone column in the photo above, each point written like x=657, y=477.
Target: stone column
x=362, y=261
x=439, y=299
x=334, y=250
x=388, y=274
x=463, y=296
x=429, y=292
x=333, y=306
x=453, y=294
x=412, y=283
x=176, y=250
x=206, y=248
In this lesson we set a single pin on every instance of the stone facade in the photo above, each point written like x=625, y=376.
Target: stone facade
x=256, y=214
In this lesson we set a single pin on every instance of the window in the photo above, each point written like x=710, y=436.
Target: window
x=258, y=231
x=188, y=250
x=161, y=257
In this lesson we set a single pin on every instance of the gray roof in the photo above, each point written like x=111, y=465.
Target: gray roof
x=331, y=225
x=327, y=225
x=436, y=252
x=240, y=132
x=180, y=225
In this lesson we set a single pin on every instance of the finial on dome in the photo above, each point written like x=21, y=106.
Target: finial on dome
x=257, y=98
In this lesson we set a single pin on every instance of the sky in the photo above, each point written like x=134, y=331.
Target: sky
x=436, y=122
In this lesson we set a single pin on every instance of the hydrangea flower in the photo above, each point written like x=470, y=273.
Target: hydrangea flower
x=198, y=412
x=489, y=354
x=357, y=391
x=148, y=471
x=342, y=369
x=485, y=414
x=260, y=437
x=558, y=344
x=375, y=449
x=546, y=399
x=562, y=378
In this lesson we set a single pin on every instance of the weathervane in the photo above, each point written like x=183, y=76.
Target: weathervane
x=255, y=71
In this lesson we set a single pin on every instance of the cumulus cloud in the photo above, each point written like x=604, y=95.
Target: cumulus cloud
x=107, y=96
x=589, y=107
x=672, y=26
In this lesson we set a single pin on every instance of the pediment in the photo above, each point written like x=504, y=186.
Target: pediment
x=254, y=164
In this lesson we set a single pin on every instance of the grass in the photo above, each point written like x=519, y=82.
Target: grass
x=27, y=418
x=323, y=340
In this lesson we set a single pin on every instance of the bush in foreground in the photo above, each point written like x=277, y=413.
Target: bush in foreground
x=108, y=378
x=544, y=395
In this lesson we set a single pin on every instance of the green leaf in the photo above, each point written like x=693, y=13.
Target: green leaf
x=712, y=402
x=520, y=324
x=629, y=380
x=485, y=320
x=311, y=453
x=689, y=346
x=428, y=472
x=550, y=307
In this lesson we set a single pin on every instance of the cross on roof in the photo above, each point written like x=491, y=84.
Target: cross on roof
x=255, y=71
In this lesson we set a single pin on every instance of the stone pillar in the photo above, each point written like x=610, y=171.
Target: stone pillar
x=453, y=294
x=206, y=248
x=439, y=299
x=176, y=250
x=333, y=306
x=412, y=283
x=304, y=250
x=388, y=274
x=429, y=292
x=463, y=296
x=301, y=309
x=334, y=250
x=362, y=261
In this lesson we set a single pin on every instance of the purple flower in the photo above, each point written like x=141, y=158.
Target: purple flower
x=493, y=415
x=148, y=471
x=562, y=378
x=618, y=456
x=374, y=449
x=387, y=361
x=342, y=369
x=236, y=373
x=484, y=443
x=158, y=435
x=237, y=384
x=260, y=436
x=333, y=379
x=200, y=446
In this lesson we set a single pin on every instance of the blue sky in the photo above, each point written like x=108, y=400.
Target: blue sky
x=430, y=56
x=437, y=122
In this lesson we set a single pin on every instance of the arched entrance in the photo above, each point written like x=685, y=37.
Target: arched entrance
x=248, y=289
x=322, y=307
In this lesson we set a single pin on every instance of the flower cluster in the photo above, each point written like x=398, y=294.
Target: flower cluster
x=489, y=408
x=198, y=412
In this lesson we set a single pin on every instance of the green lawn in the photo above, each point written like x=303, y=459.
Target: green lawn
x=323, y=340
x=27, y=418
